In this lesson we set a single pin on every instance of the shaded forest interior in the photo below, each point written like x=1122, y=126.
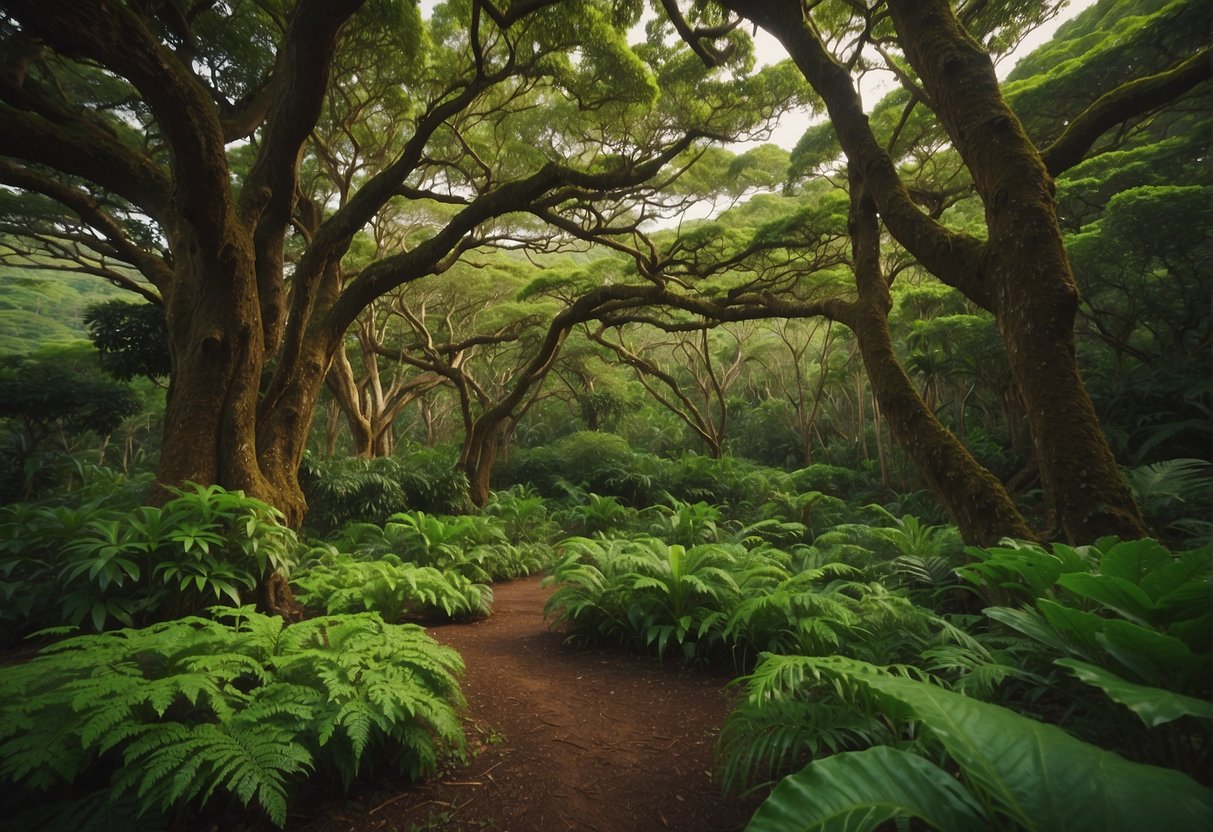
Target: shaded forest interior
x=317, y=318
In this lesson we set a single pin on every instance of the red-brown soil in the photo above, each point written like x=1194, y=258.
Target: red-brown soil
x=560, y=739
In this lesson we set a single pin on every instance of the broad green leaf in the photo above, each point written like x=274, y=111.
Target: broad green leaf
x=1116, y=594
x=858, y=791
x=1077, y=626
x=1192, y=567
x=1154, y=656
x=1155, y=706
x=1042, y=778
x=1030, y=623
x=1133, y=560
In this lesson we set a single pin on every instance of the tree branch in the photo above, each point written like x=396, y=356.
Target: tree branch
x=1135, y=98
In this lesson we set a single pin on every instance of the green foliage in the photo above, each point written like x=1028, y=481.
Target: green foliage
x=860, y=790
x=99, y=564
x=687, y=524
x=651, y=594
x=1176, y=497
x=825, y=479
x=1129, y=618
x=592, y=514
x=338, y=583
x=469, y=545
x=186, y=711
x=45, y=393
x=523, y=514
x=1015, y=773
x=39, y=308
x=131, y=337
x=358, y=490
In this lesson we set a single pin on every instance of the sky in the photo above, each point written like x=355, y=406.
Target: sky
x=792, y=126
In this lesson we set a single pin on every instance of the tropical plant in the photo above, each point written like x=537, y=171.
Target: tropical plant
x=686, y=524
x=170, y=717
x=1176, y=497
x=100, y=565
x=592, y=513
x=523, y=514
x=341, y=491
x=1013, y=772
x=1134, y=621
x=649, y=593
x=338, y=583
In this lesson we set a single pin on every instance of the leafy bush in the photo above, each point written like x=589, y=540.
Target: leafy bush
x=98, y=565
x=339, y=584
x=473, y=546
x=828, y=479
x=340, y=491
x=172, y=716
x=687, y=524
x=592, y=513
x=1014, y=772
x=1176, y=497
x=802, y=713
x=356, y=490
x=649, y=593
x=523, y=514
x=1128, y=618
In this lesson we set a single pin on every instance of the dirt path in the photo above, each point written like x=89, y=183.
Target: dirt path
x=563, y=740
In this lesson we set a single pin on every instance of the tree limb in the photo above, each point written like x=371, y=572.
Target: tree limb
x=1135, y=98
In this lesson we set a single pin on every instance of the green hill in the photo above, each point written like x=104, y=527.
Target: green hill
x=38, y=308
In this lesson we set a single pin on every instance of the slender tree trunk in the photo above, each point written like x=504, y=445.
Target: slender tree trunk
x=1027, y=276
x=1019, y=272
x=478, y=457
x=972, y=496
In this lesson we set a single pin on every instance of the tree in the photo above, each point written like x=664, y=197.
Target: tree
x=695, y=380
x=181, y=143
x=131, y=338
x=1019, y=270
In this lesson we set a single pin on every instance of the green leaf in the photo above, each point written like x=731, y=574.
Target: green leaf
x=1042, y=778
x=1133, y=560
x=1155, y=706
x=858, y=791
x=1117, y=594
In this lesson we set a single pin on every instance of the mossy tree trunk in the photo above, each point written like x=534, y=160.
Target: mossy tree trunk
x=973, y=497
x=1019, y=272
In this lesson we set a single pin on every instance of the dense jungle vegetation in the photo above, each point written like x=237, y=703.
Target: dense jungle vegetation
x=318, y=317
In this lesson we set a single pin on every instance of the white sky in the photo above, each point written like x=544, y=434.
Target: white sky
x=792, y=126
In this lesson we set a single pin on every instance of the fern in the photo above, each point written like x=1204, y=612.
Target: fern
x=195, y=708
x=394, y=589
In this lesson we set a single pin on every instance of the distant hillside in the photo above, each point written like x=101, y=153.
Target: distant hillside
x=45, y=307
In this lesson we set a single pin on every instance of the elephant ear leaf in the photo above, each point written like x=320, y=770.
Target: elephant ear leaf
x=1155, y=706
x=1041, y=778
x=857, y=791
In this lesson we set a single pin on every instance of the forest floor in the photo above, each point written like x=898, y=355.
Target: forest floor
x=559, y=739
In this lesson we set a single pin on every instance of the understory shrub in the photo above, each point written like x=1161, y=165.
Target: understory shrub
x=338, y=583
x=967, y=765
x=1129, y=619
x=191, y=713
x=645, y=592
x=99, y=566
x=356, y=490
x=471, y=545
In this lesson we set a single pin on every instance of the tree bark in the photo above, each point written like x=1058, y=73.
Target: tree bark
x=1025, y=273
x=1020, y=272
x=972, y=496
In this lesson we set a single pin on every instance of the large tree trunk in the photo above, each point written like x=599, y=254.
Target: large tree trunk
x=973, y=497
x=1019, y=273
x=1026, y=274
x=213, y=430
x=478, y=457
